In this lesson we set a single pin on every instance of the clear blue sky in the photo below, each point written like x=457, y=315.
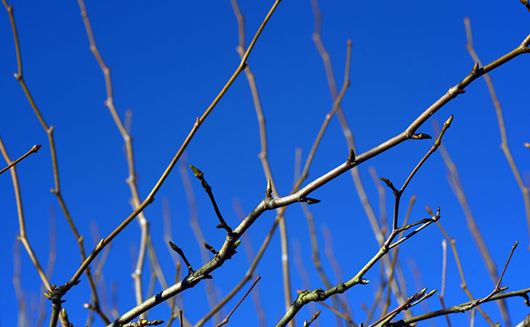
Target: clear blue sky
x=170, y=59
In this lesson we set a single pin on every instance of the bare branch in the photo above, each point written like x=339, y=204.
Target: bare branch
x=461, y=308
x=227, y=318
x=150, y=197
x=525, y=190
x=33, y=149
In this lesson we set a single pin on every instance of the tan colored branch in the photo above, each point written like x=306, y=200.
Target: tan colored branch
x=150, y=197
x=49, y=130
x=33, y=149
x=525, y=190
x=23, y=237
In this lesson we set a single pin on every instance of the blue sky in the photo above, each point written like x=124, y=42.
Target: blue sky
x=170, y=59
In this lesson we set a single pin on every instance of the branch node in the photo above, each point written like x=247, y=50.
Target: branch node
x=268, y=191
x=351, y=157
x=476, y=70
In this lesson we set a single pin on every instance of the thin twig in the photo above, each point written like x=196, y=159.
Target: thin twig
x=263, y=155
x=49, y=130
x=381, y=191
x=150, y=197
x=348, y=135
x=525, y=190
x=23, y=237
x=303, y=272
x=463, y=284
x=227, y=318
x=395, y=267
x=444, y=275
x=33, y=149
x=458, y=189
x=315, y=257
x=124, y=129
x=196, y=228
x=461, y=308
x=22, y=314
x=345, y=317
x=246, y=278
x=50, y=265
x=314, y=317
x=208, y=189
x=410, y=302
x=335, y=266
x=174, y=309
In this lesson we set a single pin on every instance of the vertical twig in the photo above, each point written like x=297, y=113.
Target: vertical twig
x=22, y=313
x=303, y=273
x=348, y=135
x=23, y=237
x=49, y=130
x=504, y=136
x=315, y=257
x=443, y=280
x=458, y=189
x=50, y=265
x=250, y=253
x=129, y=151
x=150, y=197
x=463, y=284
x=263, y=155
x=197, y=232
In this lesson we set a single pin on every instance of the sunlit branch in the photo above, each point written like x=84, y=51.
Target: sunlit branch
x=33, y=149
x=49, y=130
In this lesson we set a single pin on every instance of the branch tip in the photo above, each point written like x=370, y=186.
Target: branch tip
x=196, y=171
x=180, y=252
x=309, y=200
x=421, y=136
x=449, y=120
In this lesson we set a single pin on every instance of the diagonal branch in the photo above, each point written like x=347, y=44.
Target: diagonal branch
x=49, y=130
x=319, y=295
x=231, y=241
x=33, y=149
x=466, y=306
x=150, y=197
x=525, y=190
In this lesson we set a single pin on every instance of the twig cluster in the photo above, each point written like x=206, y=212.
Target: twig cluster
x=390, y=236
